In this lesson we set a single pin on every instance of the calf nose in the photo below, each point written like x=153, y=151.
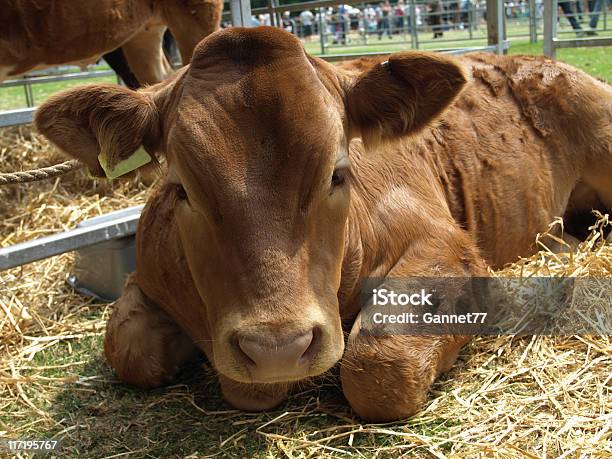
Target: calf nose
x=278, y=358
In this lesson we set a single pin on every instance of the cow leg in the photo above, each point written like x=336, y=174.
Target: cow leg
x=388, y=377
x=116, y=60
x=145, y=56
x=142, y=343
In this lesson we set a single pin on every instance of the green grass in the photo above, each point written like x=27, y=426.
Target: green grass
x=112, y=418
x=595, y=61
x=14, y=97
x=188, y=418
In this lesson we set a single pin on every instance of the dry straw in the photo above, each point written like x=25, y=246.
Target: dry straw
x=506, y=397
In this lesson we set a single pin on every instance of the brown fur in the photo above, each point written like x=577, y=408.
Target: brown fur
x=155, y=341
x=265, y=246
x=42, y=33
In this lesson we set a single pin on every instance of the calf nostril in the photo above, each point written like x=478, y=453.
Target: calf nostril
x=271, y=353
x=313, y=346
x=243, y=347
x=248, y=349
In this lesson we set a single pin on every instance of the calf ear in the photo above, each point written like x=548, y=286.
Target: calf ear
x=104, y=126
x=402, y=95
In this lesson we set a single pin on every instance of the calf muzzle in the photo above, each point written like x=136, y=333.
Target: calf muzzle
x=278, y=358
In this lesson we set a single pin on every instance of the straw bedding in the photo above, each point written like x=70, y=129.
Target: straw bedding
x=506, y=397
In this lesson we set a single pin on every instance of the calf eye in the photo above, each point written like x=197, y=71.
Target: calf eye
x=337, y=178
x=181, y=193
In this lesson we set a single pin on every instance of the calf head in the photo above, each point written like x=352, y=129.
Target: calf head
x=255, y=133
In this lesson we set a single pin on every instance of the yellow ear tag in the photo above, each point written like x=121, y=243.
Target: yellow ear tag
x=137, y=159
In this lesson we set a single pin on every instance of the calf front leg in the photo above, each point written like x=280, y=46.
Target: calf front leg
x=386, y=378
x=144, y=346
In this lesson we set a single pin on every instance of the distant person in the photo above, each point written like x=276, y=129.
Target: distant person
x=465, y=13
x=435, y=18
x=454, y=13
x=342, y=24
x=595, y=7
x=399, y=13
x=384, y=13
x=306, y=18
x=264, y=19
x=337, y=27
x=288, y=24
x=566, y=7
x=370, y=14
x=579, y=9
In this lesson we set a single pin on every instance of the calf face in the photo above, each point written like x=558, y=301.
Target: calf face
x=256, y=137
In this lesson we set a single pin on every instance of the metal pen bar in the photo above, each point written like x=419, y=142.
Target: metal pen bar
x=582, y=42
x=470, y=18
x=241, y=13
x=67, y=241
x=414, y=33
x=454, y=51
x=550, y=19
x=17, y=117
x=29, y=94
x=322, y=25
x=302, y=6
x=493, y=30
x=62, y=69
x=501, y=26
x=533, y=22
x=55, y=78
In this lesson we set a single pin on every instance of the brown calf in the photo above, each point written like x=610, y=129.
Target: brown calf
x=43, y=33
x=290, y=180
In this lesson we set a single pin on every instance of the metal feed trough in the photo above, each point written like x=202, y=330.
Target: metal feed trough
x=106, y=252
x=100, y=269
x=105, y=244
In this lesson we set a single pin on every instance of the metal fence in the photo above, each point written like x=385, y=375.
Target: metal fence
x=414, y=24
x=335, y=25
x=53, y=75
x=585, y=37
x=423, y=23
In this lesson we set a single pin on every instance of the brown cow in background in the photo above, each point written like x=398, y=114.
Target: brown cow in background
x=44, y=33
x=290, y=181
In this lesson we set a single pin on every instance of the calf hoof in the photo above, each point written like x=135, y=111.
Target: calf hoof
x=142, y=343
x=252, y=397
